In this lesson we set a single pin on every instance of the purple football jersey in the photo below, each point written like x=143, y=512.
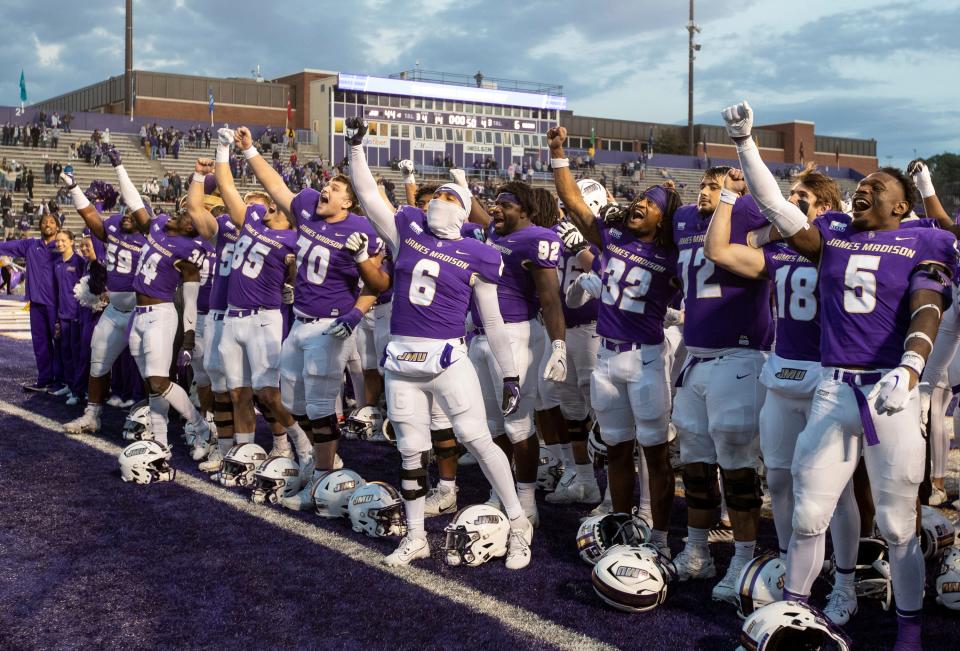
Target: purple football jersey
x=387, y=267
x=639, y=282
x=327, y=277
x=432, y=278
x=208, y=271
x=569, y=270
x=66, y=274
x=798, y=314
x=123, y=254
x=259, y=263
x=722, y=309
x=522, y=250
x=227, y=236
x=157, y=274
x=865, y=288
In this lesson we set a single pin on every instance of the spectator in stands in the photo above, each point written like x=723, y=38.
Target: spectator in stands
x=97, y=156
x=35, y=136
x=175, y=147
x=143, y=134
x=206, y=138
x=96, y=136
x=55, y=170
x=67, y=121
x=47, y=171
x=6, y=214
x=30, y=183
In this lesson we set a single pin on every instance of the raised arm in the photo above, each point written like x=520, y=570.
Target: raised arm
x=129, y=192
x=366, y=187
x=409, y=181
x=788, y=218
x=203, y=221
x=228, y=190
x=91, y=216
x=737, y=258
x=577, y=209
x=918, y=170
x=271, y=181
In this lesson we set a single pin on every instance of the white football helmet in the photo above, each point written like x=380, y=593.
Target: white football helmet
x=239, y=464
x=652, y=551
x=630, y=580
x=937, y=533
x=594, y=195
x=386, y=429
x=376, y=510
x=948, y=579
x=136, y=427
x=333, y=490
x=145, y=461
x=275, y=479
x=872, y=578
x=550, y=469
x=790, y=625
x=475, y=535
x=363, y=423
x=760, y=583
x=598, y=533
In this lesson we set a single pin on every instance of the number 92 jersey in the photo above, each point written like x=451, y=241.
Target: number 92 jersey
x=639, y=282
x=522, y=250
x=157, y=274
x=865, y=283
x=432, y=281
x=122, y=254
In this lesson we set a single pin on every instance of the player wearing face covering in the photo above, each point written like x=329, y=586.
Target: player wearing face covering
x=436, y=275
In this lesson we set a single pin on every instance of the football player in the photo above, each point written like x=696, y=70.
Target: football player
x=792, y=372
x=882, y=290
x=436, y=274
x=327, y=303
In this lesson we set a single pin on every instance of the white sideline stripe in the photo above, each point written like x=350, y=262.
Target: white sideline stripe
x=513, y=617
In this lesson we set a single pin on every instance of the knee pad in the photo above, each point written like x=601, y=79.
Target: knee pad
x=325, y=430
x=741, y=488
x=305, y=425
x=896, y=519
x=264, y=410
x=701, y=485
x=442, y=436
x=809, y=517
x=222, y=413
x=413, y=481
x=579, y=429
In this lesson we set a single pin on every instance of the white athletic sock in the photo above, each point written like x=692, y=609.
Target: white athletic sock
x=643, y=485
x=414, y=510
x=158, y=418
x=281, y=443
x=843, y=579
x=805, y=562
x=743, y=551
x=496, y=468
x=447, y=484
x=527, y=492
x=243, y=437
x=301, y=442
x=180, y=401
x=585, y=474
x=566, y=453
x=697, y=540
x=94, y=409
x=780, y=483
x=224, y=445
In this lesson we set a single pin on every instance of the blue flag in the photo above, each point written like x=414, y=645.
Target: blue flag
x=23, y=87
x=210, y=95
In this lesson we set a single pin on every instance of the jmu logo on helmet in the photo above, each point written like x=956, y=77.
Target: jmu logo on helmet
x=631, y=572
x=345, y=485
x=363, y=499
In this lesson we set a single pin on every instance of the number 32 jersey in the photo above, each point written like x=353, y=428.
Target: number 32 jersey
x=865, y=279
x=432, y=281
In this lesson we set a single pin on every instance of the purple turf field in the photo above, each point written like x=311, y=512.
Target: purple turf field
x=87, y=561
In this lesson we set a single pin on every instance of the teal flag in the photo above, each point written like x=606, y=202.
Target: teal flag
x=23, y=87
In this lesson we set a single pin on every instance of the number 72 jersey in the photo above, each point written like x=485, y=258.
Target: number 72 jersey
x=865, y=281
x=721, y=309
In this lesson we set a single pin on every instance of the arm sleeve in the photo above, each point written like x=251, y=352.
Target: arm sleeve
x=366, y=188
x=191, y=291
x=14, y=248
x=485, y=295
x=128, y=190
x=763, y=187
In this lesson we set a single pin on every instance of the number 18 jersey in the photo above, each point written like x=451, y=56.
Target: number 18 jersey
x=798, y=314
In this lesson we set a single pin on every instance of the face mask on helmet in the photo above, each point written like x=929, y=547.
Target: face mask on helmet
x=790, y=625
x=599, y=533
x=240, y=464
x=274, y=480
x=476, y=534
x=143, y=462
x=136, y=427
x=594, y=195
x=363, y=423
x=376, y=510
x=872, y=578
x=549, y=470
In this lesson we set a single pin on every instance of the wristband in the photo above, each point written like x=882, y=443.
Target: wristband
x=223, y=154
x=410, y=179
x=560, y=344
x=728, y=196
x=80, y=200
x=917, y=335
x=759, y=238
x=913, y=361
x=928, y=306
x=198, y=178
x=557, y=163
x=250, y=152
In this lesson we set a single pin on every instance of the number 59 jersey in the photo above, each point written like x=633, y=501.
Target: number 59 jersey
x=432, y=278
x=123, y=254
x=157, y=274
x=865, y=283
x=722, y=309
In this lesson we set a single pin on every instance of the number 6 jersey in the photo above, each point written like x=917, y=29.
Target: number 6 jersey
x=157, y=274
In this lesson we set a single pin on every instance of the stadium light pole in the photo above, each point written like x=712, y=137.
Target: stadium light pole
x=692, y=28
x=128, y=62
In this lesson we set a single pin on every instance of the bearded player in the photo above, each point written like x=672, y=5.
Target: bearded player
x=882, y=290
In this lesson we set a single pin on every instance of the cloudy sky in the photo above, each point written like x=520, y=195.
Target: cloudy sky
x=883, y=69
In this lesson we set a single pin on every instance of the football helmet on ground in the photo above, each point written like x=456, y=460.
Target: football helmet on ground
x=475, y=535
x=143, y=462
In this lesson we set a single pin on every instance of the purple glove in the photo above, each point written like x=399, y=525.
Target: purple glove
x=113, y=154
x=344, y=325
x=511, y=395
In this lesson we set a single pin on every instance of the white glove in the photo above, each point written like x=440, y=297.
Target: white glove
x=67, y=180
x=556, y=369
x=591, y=284
x=921, y=177
x=892, y=392
x=673, y=317
x=406, y=166
x=286, y=294
x=357, y=245
x=739, y=120
x=225, y=137
x=459, y=177
x=926, y=391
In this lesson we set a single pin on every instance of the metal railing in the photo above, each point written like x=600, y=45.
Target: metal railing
x=458, y=79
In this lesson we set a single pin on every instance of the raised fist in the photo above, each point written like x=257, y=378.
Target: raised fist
x=355, y=130
x=556, y=136
x=226, y=137
x=357, y=245
x=405, y=166
x=571, y=237
x=113, y=155
x=68, y=180
x=611, y=214
x=203, y=166
x=739, y=120
x=920, y=174
x=243, y=138
x=459, y=177
x=735, y=182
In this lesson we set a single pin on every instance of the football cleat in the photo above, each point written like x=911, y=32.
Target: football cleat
x=694, y=565
x=841, y=606
x=60, y=392
x=88, y=423
x=518, y=545
x=303, y=500
x=214, y=461
x=440, y=500
x=938, y=497
x=409, y=550
x=726, y=590
x=276, y=453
